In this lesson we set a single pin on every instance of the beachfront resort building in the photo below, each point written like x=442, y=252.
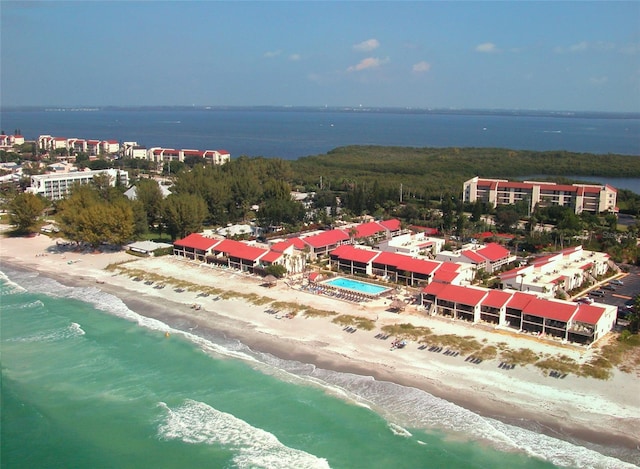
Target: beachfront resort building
x=566, y=321
x=55, y=186
x=580, y=197
x=321, y=243
x=489, y=257
x=243, y=256
x=395, y=267
x=558, y=273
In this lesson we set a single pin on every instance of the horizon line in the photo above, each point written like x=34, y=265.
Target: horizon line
x=342, y=108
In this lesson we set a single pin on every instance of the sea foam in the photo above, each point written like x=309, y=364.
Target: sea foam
x=198, y=423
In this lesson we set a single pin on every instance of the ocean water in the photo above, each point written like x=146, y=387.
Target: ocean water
x=293, y=133
x=86, y=382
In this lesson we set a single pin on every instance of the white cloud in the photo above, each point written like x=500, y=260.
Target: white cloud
x=271, y=54
x=598, y=81
x=421, y=67
x=486, y=47
x=295, y=57
x=369, y=62
x=367, y=46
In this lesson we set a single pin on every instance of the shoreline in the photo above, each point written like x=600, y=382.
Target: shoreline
x=605, y=418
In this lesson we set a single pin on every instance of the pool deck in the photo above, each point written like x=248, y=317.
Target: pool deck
x=345, y=293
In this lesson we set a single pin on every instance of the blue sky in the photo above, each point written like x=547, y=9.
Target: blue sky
x=549, y=55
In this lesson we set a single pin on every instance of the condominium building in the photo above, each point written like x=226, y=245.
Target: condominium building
x=580, y=197
x=56, y=186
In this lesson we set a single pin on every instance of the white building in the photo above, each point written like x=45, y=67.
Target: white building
x=57, y=185
x=412, y=244
x=579, y=197
x=560, y=272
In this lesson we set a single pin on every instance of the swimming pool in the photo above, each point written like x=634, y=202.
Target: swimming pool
x=356, y=286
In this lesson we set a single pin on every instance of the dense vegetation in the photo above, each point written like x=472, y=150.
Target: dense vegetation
x=429, y=172
x=421, y=186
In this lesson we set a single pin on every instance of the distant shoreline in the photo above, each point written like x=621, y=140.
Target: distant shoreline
x=346, y=109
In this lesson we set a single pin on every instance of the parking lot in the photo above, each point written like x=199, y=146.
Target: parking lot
x=622, y=293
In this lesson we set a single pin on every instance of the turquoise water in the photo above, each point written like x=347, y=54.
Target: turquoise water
x=356, y=285
x=88, y=383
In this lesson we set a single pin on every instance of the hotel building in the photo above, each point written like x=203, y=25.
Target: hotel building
x=56, y=186
x=579, y=197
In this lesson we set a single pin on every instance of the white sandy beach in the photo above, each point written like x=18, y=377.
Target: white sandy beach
x=599, y=411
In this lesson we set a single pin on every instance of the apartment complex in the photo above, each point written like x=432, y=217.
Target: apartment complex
x=56, y=186
x=580, y=197
x=79, y=145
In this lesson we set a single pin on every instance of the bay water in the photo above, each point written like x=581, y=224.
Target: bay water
x=291, y=133
x=89, y=383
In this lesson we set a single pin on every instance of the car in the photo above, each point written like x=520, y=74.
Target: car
x=598, y=293
x=616, y=282
x=609, y=287
x=585, y=299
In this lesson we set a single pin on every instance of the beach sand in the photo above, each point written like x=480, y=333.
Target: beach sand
x=584, y=409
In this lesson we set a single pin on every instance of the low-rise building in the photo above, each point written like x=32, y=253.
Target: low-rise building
x=57, y=186
x=525, y=312
x=489, y=257
x=413, y=244
x=558, y=273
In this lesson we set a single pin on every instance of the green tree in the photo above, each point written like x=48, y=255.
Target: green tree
x=184, y=214
x=24, y=211
x=86, y=217
x=150, y=196
x=277, y=270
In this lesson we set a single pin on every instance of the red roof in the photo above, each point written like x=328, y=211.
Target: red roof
x=297, y=243
x=519, y=300
x=449, y=266
x=271, y=256
x=416, y=266
x=434, y=288
x=240, y=250
x=515, y=185
x=550, y=309
x=281, y=246
x=496, y=298
x=463, y=295
x=589, y=314
x=476, y=258
x=197, y=241
x=445, y=276
x=368, y=229
x=493, y=252
x=391, y=225
x=313, y=276
x=326, y=238
x=425, y=229
x=401, y=262
x=353, y=254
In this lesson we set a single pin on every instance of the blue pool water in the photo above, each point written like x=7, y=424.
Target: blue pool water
x=356, y=286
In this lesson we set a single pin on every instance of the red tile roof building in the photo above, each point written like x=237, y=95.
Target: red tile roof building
x=527, y=313
x=580, y=197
